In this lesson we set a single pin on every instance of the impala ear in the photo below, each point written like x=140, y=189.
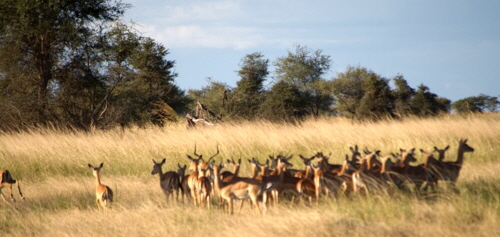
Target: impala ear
x=163, y=161
x=101, y=165
x=90, y=166
x=446, y=148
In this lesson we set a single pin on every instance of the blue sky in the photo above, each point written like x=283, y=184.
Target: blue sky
x=453, y=47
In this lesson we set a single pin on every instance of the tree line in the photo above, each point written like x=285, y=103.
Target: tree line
x=77, y=65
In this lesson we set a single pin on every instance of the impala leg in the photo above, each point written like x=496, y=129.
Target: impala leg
x=231, y=206
x=11, y=196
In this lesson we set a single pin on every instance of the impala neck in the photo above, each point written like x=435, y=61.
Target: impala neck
x=460, y=156
x=236, y=169
x=217, y=180
x=160, y=173
x=343, y=169
x=98, y=180
x=308, y=171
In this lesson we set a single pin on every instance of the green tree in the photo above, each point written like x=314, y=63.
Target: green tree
x=304, y=68
x=39, y=37
x=283, y=103
x=348, y=90
x=246, y=98
x=426, y=103
x=402, y=96
x=150, y=86
x=377, y=99
x=480, y=103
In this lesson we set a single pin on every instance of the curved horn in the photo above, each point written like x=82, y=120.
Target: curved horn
x=215, y=154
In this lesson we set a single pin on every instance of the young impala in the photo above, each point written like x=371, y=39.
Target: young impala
x=103, y=194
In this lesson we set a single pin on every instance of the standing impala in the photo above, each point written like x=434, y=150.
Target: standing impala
x=7, y=181
x=450, y=170
x=169, y=181
x=243, y=188
x=103, y=194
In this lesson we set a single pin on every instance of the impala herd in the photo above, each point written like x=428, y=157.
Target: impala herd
x=361, y=174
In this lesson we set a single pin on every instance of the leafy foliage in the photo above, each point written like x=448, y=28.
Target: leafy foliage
x=480, y=103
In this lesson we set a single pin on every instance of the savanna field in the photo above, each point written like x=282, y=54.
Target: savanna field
x=59, y=187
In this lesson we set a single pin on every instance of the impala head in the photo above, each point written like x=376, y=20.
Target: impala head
x=322, y=158
x=234, y=163
x=217, y=168
x=348, y=165
x=157, y=166
x=307, y=161
x=95, y=170
x=182, y=170
x=355, y=153
x=283, y=162
x=441, y=152
x=462, y=146
x=386, y=163
x=408, y=156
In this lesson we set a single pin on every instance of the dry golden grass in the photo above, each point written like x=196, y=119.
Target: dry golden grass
x=59, y=187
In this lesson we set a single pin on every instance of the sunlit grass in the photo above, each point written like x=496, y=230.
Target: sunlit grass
x=59, y=187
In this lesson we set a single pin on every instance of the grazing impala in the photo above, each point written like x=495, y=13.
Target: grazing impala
x=7, y=181
x=169, y=181
x=103, y=194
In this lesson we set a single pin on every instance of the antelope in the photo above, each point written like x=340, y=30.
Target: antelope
x=366, y=179
x=245, y=188
x=203, y=187
x=274, y=180
x=103, y=194
x=450, y=170
x=227, y=175
x=8, y=181
x=441, y=152
x=327, y=167
x=417, y=175
x=183, y=181
x=198, y=178
x=306, y=173
x=431, y=164
x=305, y=185
x=169, y=181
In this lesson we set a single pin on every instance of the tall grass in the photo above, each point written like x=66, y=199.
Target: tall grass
x=52, y=168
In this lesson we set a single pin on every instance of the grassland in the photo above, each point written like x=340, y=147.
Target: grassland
x=59, y=187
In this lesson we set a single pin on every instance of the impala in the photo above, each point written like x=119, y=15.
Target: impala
x=417, y=175
x=450, y=170
x=305, y=186
x=306, y=173
x=197, y=179
x=169, y=181
x=441, y=152
x=245, y=188
x=103, y=194
x=227, y=175
x=203, y=187
x=8, y=181
x=181, y=171
x=366, y=179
